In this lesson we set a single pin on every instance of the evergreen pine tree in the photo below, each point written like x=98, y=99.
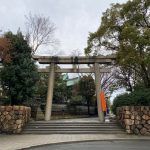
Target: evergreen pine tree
x=19, y=76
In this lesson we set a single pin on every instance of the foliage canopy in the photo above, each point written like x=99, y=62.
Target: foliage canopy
x=125, y=31
x=19, y=76
x=137, y=98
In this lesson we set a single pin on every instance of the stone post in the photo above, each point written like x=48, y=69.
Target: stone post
x=98, y=89
x=50, y=92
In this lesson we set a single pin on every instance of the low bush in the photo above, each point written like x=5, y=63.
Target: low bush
x=137, y=98
x=76, y=100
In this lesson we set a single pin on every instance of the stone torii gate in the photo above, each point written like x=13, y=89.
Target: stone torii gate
x=94, y=60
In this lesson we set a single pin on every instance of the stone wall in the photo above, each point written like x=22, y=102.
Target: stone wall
x=13, y=118
x=134, y=119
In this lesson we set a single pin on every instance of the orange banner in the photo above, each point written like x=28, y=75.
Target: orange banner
x=103, y=101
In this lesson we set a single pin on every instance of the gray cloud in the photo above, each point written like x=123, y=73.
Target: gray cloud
x=74, y=18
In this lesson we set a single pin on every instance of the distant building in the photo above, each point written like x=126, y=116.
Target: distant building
x=70, y=82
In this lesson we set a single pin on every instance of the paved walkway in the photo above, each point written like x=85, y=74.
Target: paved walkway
x=13, y=142
x=92, y=119
x=98, y=145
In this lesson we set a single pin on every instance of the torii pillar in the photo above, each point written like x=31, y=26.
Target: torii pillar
x=50, y=92
x=98, y=90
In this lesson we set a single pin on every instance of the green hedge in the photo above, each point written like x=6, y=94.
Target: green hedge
x=136, y=98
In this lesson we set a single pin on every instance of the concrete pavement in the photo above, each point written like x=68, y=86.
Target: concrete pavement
x=13, y=142
x=98, y=145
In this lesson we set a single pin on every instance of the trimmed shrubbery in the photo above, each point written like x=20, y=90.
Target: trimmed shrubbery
x=137, y=98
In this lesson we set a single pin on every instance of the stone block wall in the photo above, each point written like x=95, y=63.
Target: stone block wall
x=13, y=118
x=134, y=119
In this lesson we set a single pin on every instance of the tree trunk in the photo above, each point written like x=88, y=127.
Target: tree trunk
x=145, y=76
x=88, y=104
x=12, y=100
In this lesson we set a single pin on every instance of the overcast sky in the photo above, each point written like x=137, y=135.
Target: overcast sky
x=74, y=19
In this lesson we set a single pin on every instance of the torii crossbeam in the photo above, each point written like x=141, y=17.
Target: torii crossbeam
x=94, y=60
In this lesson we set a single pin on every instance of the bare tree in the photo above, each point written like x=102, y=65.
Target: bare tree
x=108, y=83
x=40, y=31
x=76, y=52
x=119, y=78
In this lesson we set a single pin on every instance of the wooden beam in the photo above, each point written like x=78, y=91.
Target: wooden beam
x=71, y=70
x=75, y=60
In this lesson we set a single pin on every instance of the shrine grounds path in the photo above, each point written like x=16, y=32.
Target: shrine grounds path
x=20, y=141
x=98, y=145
